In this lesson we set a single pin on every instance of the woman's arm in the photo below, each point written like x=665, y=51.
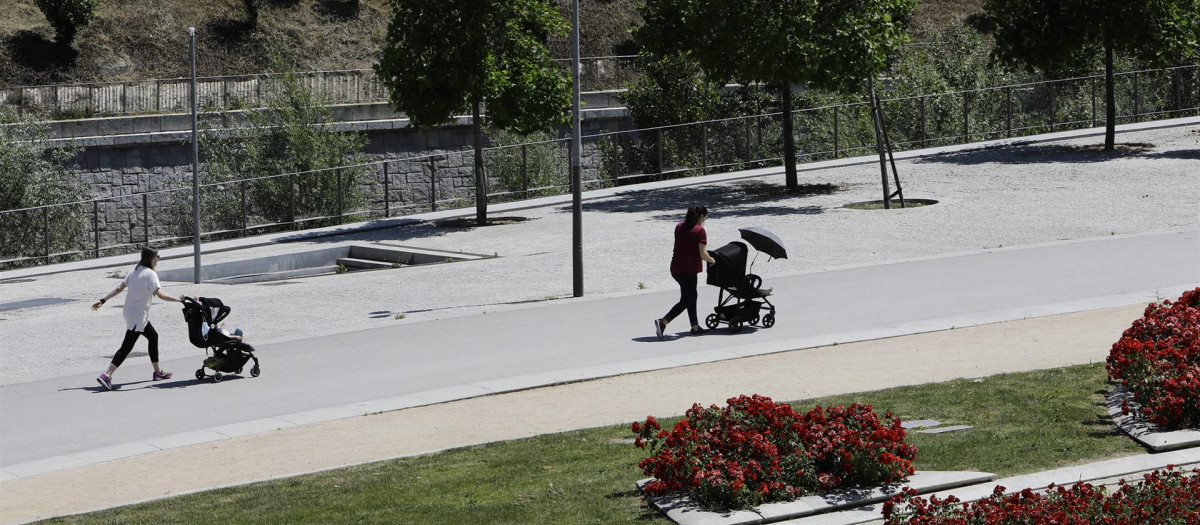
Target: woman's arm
x=120, y=288
x=704, y=254
x=163, y=295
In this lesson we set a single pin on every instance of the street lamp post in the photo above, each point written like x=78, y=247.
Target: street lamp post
x=195, y=166
x=576, y=154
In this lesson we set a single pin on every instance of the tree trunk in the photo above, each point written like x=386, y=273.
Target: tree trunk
x=480, y=178
x=1110, y=100
x=789, y=139
x=877, y=120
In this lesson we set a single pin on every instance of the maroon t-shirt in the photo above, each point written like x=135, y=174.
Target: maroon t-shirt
x=686, y=257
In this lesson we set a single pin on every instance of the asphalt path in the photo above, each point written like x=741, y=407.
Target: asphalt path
x=59, y=416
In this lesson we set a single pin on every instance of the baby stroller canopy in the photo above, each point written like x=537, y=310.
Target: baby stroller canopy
x=203, y=311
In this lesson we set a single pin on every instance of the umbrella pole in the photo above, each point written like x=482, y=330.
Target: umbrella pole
x=752, y=261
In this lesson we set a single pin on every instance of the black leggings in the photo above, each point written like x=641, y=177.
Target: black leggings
x=687, y=297
x=131, y=337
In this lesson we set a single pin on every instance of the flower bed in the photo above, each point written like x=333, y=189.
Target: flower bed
x=1165, y=497
x=756, y=451
x=1158, y=359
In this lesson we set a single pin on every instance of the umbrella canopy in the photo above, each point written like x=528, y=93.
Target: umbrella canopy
x=764, y=241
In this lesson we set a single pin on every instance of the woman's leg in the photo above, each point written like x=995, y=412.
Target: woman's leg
x=123, y=352
x=680, y=306
x=687, y=287
x=152, y=341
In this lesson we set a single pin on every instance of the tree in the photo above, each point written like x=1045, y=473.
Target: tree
x=1066, y=36
x=34, y=172
x=251, y=12
x=441, y=58
x=292, y=134
x=67, y=16
x=828, y=44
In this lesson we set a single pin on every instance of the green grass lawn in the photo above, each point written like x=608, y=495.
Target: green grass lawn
x=1023, y=422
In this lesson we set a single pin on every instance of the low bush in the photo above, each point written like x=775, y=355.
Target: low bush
x=1165, y=497
x=1158, y=359
x=755, y=451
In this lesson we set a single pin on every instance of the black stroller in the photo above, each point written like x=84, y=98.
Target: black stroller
x=740, y=301
x=228, y=354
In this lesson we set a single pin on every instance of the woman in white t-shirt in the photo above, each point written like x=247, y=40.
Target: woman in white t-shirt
x=142, y=284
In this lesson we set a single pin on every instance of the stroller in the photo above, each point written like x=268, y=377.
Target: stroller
x=740, y=301
x=228, y=354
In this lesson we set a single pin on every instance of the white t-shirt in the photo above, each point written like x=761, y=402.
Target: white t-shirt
x=141, y=284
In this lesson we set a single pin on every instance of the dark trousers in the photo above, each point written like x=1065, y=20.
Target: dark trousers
x=687, y=297
x=130, y=338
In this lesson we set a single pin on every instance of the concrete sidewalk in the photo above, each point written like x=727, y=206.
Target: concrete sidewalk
x=1039, y=343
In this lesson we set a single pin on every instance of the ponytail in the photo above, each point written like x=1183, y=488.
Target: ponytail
x=693, y=215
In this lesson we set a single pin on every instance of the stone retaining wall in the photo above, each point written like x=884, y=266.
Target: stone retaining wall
x=126, y=168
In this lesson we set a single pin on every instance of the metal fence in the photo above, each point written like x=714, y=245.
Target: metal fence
x=390, y=188
x=232, y=92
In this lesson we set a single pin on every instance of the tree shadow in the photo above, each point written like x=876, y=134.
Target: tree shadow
x=34, y=52
x=1183, y=154
x=742, y=199
x=337, y=9
x=1041, y=153
x=230, y=30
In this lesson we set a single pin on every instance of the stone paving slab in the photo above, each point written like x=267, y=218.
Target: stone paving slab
x=1144, y=432
x=681, y=511
x=943, y=430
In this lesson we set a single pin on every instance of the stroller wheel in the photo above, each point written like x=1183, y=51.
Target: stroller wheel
x=768, y=320
x=217, y=377
x=754, y=321
x=200, y=373
x=735, y=326
x=255, y=371
x=711, y=321
x=238, y=371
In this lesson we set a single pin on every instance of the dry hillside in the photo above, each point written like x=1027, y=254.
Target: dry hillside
x=148, y=38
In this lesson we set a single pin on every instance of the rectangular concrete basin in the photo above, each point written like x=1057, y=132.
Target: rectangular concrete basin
x=352, y=257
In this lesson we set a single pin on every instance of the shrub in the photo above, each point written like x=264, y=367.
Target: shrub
x=35, y=173
x=292, y=135
x=1165, y=497
x=1158, y=359
x=67, y=16
x=542, y=170
x=755, y=451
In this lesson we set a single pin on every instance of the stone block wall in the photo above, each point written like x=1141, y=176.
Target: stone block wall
x=160, y=168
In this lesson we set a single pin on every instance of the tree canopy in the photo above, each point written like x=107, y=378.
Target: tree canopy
x=442, y=58
x=828, y=44
x=1070, y=36
x=67, y=16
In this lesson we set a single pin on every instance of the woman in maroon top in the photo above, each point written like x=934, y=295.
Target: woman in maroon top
x=691, y=247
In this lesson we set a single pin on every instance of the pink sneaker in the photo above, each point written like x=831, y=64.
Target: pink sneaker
x=162, y=375
x=105, y=381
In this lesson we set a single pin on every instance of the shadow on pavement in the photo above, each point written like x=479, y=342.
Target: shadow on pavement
x=1051, y=153
x=740, y=199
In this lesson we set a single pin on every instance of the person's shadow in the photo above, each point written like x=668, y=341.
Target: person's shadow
x=672, y=336
x=148, y=384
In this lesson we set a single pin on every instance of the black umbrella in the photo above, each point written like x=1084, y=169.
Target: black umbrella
x=764, y=241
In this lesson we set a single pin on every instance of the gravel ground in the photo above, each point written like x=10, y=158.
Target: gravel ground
x=991, y=198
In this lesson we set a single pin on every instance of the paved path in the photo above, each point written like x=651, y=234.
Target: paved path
x=556, y=341
x=1036, y=343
